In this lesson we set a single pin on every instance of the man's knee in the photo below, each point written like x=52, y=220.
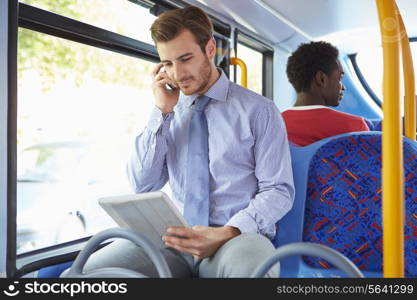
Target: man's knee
x=248, y=245
x=239, y=257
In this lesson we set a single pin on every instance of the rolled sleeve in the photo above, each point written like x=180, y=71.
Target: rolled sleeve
x=244, y=222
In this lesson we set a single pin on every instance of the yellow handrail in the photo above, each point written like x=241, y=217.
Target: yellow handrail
x=392, y=154
x=409, y=83
x=243, y=68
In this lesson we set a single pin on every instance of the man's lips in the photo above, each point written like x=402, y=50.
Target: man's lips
x=185, y=82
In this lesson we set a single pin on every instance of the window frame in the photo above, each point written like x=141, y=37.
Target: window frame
x=362, y=78
x=46, y=22
x=11, y=136
x=363, y=81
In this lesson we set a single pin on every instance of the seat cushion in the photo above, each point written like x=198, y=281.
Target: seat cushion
x=54, y=271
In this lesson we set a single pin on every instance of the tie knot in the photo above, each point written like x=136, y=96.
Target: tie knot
x=201, y=103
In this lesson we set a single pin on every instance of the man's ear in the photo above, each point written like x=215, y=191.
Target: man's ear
x=321, y=79
x=211, y=48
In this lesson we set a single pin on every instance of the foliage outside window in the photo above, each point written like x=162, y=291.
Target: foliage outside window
x=120, y=16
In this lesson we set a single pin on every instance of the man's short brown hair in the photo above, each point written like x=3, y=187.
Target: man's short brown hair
x=172, y=22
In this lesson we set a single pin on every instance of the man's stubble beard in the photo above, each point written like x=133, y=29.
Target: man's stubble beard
x=205, y=71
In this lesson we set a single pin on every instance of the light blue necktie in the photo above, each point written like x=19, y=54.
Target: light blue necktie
x=197, y=185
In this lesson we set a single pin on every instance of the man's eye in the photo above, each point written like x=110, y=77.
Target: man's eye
x=185, y=59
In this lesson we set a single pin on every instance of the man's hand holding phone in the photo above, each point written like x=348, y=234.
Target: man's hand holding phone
x=165, y=90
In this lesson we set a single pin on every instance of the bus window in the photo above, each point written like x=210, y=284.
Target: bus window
x=370, y=65
x=123, y=17
x=258, y=57
x=79, y=109
x=254, y=63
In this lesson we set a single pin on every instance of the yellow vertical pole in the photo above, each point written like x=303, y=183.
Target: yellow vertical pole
x=409, y=82
x=243, y=69
x=392, y=154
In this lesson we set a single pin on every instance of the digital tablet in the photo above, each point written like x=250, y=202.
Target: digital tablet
x=148, y=213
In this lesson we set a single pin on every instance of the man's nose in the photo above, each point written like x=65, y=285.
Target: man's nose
x=178, y=71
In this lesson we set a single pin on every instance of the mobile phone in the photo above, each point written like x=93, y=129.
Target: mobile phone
x=170, y=87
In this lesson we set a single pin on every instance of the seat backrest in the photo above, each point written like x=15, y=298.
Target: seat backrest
x=338, y=199
x=374, y=124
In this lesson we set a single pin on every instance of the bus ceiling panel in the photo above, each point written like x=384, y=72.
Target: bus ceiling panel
x=248, y=17
x=349, y=24
x=291, y=42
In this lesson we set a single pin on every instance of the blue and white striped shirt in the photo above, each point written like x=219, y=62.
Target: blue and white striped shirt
x=251, y=183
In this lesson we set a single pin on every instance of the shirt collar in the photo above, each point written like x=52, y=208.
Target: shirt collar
x=306, y=107
x=218, y=91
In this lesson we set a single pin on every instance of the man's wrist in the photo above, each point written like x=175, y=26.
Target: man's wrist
x=231, y=232
x=165, y=110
